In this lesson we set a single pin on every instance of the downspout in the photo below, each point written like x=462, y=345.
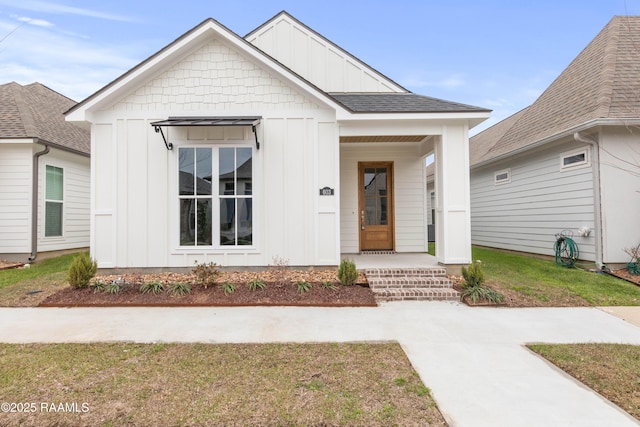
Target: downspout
x=34, y=203
x=595, y=162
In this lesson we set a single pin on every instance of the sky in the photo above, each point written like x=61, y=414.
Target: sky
x=497, y=54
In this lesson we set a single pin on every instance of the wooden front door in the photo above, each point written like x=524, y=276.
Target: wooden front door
x=375, y=194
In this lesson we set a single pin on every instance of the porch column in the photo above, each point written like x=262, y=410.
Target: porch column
x=453, y=214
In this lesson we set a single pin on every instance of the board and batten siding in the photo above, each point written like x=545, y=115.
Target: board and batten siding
x=540, y=201
x=409, y=194
x=76, y=201
x=318, y=60
x=15, y=197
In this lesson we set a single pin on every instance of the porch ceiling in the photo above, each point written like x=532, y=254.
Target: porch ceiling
x=384, y=138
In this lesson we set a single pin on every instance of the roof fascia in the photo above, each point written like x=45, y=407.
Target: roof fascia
x=565, y=133
x=320, y=36
x=475, y=117
x=81, y=111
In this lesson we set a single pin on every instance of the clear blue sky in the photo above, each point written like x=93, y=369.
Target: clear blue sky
x=498, y=54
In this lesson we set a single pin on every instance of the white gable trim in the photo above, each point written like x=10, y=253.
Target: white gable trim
x=329, y=47
x=170, y=54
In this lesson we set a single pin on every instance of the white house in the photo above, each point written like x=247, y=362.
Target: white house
x=44, y=174
x=279, y=144
x=570, y=161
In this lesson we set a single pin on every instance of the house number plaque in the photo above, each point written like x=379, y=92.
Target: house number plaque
x=326, y=191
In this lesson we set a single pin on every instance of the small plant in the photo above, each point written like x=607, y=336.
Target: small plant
x=256, y=284
x=114, y=288
x=347, y=272
x=303, y=286
x=400, y=382
x=280, y=268
x=329, y=285
x=473, y=286
x=179, y=289
x=228, y=288
x=99, y=286
x=82, y=269
x=206, y=274
x=154, y=287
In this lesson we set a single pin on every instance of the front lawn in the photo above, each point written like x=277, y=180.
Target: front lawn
x=528, y=281
x=613, y=370
x=29, y=286
x=202, y=384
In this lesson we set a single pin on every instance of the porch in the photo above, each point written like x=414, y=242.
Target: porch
x=393, y=260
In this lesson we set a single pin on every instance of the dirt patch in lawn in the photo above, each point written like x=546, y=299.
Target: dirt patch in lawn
x=231, y=289
x=4, y=265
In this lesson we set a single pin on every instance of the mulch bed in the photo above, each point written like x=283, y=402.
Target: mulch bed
x=625, y=275
x=276, y=293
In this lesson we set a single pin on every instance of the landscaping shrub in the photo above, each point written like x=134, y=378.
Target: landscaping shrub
x=206, y=274
x=473, y=286
x=347, y=272
x=82, y=269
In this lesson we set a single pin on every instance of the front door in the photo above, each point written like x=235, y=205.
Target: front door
x=375, y=193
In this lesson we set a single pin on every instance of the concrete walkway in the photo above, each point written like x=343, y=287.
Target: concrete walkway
x=473, y=359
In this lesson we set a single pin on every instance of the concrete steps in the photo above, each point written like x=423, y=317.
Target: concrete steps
x=417, y=284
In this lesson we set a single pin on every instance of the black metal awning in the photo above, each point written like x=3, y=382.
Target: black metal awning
x=252, y=121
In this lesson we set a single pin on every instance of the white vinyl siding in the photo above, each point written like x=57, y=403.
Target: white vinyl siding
x=539, y=202
x=76, y=201
x=15, y=198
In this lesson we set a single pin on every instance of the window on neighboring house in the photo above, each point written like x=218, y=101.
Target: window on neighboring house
x=54, y=184
x=200, y=190
x=503, y=176
x=574, y=159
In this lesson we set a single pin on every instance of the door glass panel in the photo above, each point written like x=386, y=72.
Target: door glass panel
x=375, y=196
x=370, y=211
x=382, y=210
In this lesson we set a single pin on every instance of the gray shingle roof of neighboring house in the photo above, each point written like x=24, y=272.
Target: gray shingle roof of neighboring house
x=35, y=111
x=400, y=102
x=602, y=82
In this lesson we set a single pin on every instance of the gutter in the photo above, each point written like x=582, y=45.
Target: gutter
x=595, y=162
x=34, y=201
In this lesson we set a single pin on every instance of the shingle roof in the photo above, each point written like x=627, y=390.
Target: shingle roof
x=35, y=111
x=602, y=82
x=399, y=103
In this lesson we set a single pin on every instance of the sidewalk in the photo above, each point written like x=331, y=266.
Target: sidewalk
x=471, y=358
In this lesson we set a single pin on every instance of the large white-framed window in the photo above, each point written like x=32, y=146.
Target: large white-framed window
x=53, y=201
x=575, y=159
x=215, y=196
x=502, y=177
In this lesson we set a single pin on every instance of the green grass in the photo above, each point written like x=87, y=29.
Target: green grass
x=432, y=248
x=204, y=384
x=37, y=270
x=544, y=282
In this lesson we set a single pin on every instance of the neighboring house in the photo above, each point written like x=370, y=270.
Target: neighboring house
x=570, y=161
x=296, y=149
x=44, y=174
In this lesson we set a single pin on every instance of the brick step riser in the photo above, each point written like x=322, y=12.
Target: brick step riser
x=419, y=295
x=405, y=274
x=411, y=286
